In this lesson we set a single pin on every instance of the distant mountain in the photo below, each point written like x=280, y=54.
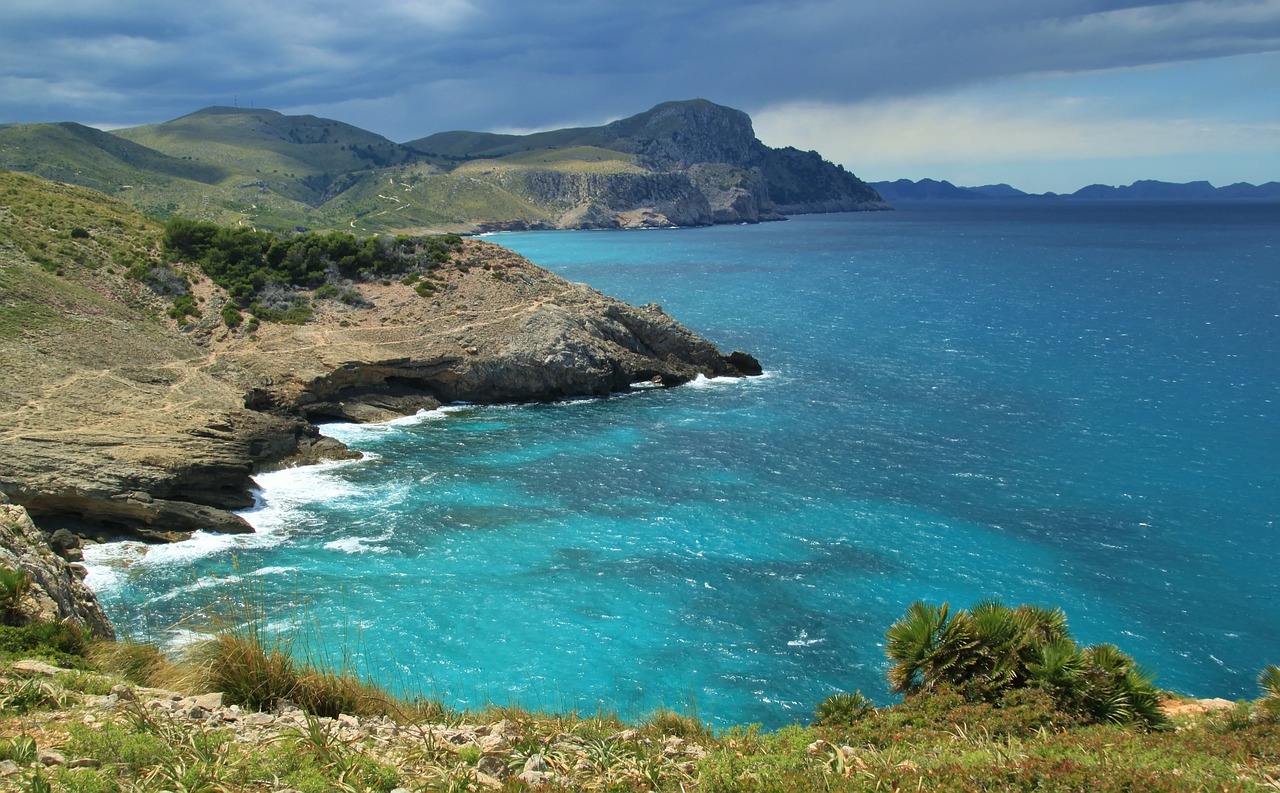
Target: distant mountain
x=933, y=190
x=1001, y=190
x=1151, y=190
x=1146, y=190
x=678, y=164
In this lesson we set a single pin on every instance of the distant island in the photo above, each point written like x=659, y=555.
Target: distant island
x=686, y=163
x=905, y=190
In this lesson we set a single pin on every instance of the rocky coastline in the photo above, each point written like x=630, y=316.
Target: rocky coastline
x=120, y=434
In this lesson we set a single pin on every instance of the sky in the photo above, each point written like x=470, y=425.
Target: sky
x=1046, y=95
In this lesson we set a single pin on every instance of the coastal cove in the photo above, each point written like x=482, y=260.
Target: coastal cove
x=1071, y=405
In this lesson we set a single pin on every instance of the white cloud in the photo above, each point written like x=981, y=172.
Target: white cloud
x=998, y=124
x=921, y=131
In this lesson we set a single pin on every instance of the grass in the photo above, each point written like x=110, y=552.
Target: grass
x=933, y=741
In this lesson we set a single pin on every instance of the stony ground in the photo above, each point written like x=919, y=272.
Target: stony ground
x=62, y=729
x=94, y=730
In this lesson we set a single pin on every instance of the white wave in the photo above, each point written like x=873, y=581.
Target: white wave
x=279, y=502
x=108, y=564
x=803, y=640
x=283, y=494
x=196, y=586
x=702, y=381
x=272, y=571
x=359, y=544
x=352, y=434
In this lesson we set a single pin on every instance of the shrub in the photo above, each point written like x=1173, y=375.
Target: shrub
x=13, y=585
x=23, y=696
x=184, y=306
x=325, y=693
x=842, y=709
x=247, y=671
x=140, y=664
x=58, y=642
x=245, y=261
x=21, y=749
x=231, y=316
x=1268, y=709
x=992, y=649
x=79, y=233
x=667, y=722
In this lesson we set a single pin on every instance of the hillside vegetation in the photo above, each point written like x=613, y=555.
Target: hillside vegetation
x=242, y=711
x=261, y=168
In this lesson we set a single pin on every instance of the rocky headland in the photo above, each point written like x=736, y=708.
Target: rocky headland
x=118, y=420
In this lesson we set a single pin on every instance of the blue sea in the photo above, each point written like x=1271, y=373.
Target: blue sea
x=1072, y=404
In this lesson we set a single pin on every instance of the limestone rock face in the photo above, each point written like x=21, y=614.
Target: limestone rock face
x=680, y=134
x=55, y=591
x=693, y=163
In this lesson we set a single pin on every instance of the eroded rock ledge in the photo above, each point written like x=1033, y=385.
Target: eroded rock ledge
x=155, y=435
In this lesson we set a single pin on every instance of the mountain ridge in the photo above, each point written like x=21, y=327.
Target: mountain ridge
x=681, y=163
x=1141, y=190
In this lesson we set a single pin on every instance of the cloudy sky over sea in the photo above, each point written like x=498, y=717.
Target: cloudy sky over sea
x=1044, y=94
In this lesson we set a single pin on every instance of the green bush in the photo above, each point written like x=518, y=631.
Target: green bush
x=1268, y=708
x=247, y=671
x=60, y=643
x=231, y=316
x=23, y=696
x=184, y=306
x=245, y=261
x=992, y=649
x=842, y=709
x=13, y=585
x=667, y=722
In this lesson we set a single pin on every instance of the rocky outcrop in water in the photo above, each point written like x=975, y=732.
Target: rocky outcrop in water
x=500, y=330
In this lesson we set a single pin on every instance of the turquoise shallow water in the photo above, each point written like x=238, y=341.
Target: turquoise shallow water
x=1072, y=405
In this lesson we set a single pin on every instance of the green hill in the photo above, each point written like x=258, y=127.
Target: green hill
x=677, y=164
x=299, y=155
x=76, y=153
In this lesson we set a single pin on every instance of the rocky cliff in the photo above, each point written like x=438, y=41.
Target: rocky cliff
x=54, y=590
x=116, y=420
x=692, y=163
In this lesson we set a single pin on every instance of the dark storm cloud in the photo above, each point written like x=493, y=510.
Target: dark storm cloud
x=410, y=67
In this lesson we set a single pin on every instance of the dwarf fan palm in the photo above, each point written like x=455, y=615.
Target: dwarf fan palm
x=928, y=647
x=1270, y=682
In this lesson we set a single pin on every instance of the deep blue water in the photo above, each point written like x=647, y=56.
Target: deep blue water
x=1072, y=405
